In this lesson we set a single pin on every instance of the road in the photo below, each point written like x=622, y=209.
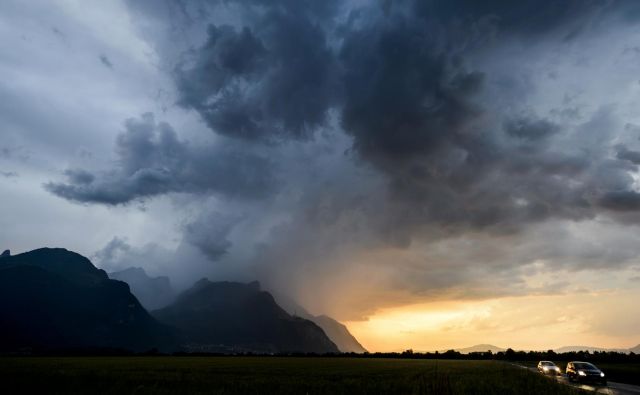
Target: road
x=612, y=388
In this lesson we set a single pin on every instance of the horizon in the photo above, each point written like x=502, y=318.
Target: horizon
x=459, y=348
x=432, y=175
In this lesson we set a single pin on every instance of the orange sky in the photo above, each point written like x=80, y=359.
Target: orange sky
x=530, y=322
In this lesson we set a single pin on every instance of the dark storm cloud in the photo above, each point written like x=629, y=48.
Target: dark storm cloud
x=391, y=127
x=78, y=176
x=532, y=130
x=400, y=80
x=272, y=80
x=630, y=155
x=152, y=161
x=405, y=94
x=621, y=200
x=402, y=97
x=522, y=17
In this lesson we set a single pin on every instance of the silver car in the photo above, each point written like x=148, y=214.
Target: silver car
x=548, y=367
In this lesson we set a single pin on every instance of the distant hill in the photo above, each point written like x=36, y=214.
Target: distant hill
x=495, y=349
x=152, y=292
x=589, y=348
x=635, y=350
x=481, y=348
x=52, y=298
x=235, y=317
x=337, y=332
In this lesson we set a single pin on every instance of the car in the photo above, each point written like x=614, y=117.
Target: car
x=548, y=367
x=585, y=371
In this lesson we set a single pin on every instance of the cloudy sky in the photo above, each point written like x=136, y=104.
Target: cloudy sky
x=433, y=173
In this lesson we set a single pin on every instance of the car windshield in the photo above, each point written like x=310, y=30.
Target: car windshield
x=584, y=365
x=545, y=363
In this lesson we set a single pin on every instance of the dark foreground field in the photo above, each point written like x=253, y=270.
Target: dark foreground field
x=267, y=375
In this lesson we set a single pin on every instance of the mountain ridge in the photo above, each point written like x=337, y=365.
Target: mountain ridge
x=564, y=349
x=337, y=332
x=152, y=292
x=212, y=316
x=52, y=298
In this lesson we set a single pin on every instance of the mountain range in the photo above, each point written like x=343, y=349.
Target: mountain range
x=156, y=292
x=635, y=349
x=337, y=332
x=229, y=317
x=152, y=292
x=52, y=298
x=495, y=349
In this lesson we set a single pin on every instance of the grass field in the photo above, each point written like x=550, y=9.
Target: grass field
x=267, y=375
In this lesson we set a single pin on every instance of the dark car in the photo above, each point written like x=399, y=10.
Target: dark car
x=585, y=371
x=548, y=367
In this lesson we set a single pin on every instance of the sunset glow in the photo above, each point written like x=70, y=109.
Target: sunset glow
x=529, y=323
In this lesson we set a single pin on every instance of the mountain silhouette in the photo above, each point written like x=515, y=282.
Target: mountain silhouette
x=152, y=292
x=337, y=332
x=479, y=348
x=236, y=317
x=52, y=298
x=590, y=349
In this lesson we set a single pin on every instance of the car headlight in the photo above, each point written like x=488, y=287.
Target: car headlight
x=581, y=373
x=601, y=374
x=545, y=368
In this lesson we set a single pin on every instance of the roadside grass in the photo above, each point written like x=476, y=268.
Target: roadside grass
x=268, y=375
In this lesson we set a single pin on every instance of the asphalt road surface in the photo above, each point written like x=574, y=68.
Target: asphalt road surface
x=612, y=388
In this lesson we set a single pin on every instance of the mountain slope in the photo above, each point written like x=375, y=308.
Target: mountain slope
x=337, y=332
x=54, y=298
x=152, y=292
x=229, y=317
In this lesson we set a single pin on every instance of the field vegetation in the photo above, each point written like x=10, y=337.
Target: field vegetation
x=268, y=375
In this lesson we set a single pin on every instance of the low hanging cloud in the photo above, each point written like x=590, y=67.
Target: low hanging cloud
x=153, y=161
x=210, y=234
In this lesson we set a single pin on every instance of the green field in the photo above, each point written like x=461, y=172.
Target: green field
x=267, y=375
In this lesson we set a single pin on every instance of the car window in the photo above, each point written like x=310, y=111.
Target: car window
x=584, y=365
